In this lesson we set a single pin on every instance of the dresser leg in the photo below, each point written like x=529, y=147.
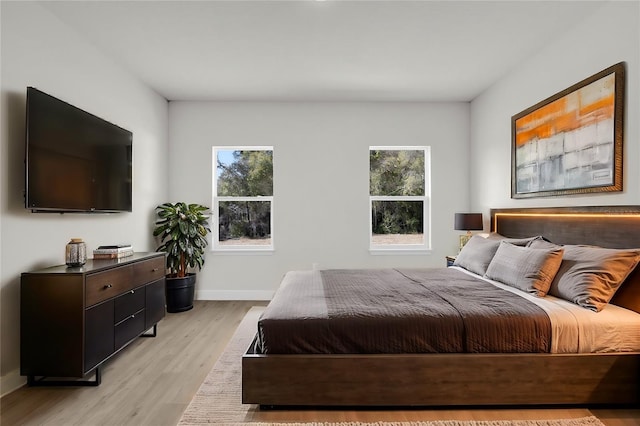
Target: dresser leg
x=154, y=333
x=98, y=378
x=32, y=381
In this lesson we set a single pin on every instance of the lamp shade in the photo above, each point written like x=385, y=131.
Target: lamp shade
x=468, y=222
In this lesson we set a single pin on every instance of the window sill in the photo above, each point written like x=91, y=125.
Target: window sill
x=401, y=252
x=243, y=252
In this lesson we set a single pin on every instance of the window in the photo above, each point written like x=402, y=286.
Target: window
x=399, y=204
x=243, y=198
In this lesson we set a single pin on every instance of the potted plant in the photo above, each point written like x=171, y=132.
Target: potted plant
x=182, y=229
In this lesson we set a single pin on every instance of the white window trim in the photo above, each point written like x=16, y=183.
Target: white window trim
x=215, y=245
x=403, y=249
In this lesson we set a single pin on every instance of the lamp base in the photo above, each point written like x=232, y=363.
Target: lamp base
x=464, y=239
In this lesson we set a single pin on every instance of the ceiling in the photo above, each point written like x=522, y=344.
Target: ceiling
x=320, y=50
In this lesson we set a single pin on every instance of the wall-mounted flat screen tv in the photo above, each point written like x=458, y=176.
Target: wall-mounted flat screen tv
x=75, y=161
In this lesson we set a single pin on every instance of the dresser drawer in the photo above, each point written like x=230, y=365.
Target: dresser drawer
x=128, y=304
x=148, y=270
x=155, y=306
x=128, y=329
x=107, y=284
x=98, y=334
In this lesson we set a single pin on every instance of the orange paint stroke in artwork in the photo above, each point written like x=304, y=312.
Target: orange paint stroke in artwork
x=603, y=108
x=543, y=114
x=563, y=116
x=566, y=123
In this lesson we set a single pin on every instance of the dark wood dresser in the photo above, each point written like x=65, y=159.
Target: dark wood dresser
x=74, y=319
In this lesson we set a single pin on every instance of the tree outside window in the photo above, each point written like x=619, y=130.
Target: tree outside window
x=243, y=198
x=399, y=197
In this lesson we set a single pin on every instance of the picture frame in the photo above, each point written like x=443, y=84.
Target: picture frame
x=572, y=142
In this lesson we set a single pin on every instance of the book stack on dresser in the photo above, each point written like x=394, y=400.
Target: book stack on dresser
x=116, y=251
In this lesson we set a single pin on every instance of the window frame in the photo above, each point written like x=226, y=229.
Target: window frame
x=425, y=246
x=215, y=213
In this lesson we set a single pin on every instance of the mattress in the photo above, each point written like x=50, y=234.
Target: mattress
x=408, y=311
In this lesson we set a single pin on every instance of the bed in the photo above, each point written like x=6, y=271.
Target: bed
x=598, y=368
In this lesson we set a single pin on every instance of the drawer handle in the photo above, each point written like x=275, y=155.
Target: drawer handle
x=155, y=269
x=132, y=316
x=108, y=286
x=132, y=292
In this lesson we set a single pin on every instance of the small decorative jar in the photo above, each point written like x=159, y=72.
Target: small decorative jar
x=75, y=253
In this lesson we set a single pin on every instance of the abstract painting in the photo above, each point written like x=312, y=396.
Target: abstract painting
x=571, y=143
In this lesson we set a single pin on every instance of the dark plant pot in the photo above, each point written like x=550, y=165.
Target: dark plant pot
x=180, y=293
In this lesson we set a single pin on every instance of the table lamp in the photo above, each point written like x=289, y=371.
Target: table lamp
x=467, y=222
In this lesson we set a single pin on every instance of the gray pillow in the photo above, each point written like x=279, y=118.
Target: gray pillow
x=476, y=255
x=589, y=276
x=542, y=243
x=528, y=269
x=514, y=241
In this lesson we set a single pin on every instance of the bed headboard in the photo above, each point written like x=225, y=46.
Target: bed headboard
x=604, y=226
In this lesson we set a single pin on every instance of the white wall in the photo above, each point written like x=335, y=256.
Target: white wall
x=38, y=50
x=321, y=169
x=609, y=36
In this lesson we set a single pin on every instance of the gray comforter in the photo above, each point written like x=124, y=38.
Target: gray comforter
x=398, y=311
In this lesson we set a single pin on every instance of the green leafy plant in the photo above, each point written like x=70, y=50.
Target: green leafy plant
x=182, y=229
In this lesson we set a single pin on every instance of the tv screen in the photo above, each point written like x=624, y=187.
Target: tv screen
x=75, y=161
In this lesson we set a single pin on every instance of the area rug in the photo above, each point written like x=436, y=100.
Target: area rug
x=583, y=421
x=219, y=398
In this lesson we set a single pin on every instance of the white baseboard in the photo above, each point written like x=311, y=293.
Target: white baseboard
x=11, y=381
x=234, y=295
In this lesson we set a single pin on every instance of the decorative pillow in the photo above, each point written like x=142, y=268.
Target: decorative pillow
x=628, y=294
x=514, y=241
x=541, y=243
x=527, y=269
x=476, y=255
x=589, y=276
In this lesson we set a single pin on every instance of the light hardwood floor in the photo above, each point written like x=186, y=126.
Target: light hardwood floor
x=153, y=380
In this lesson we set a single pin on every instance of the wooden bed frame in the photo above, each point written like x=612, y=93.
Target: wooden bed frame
x=469, y=379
